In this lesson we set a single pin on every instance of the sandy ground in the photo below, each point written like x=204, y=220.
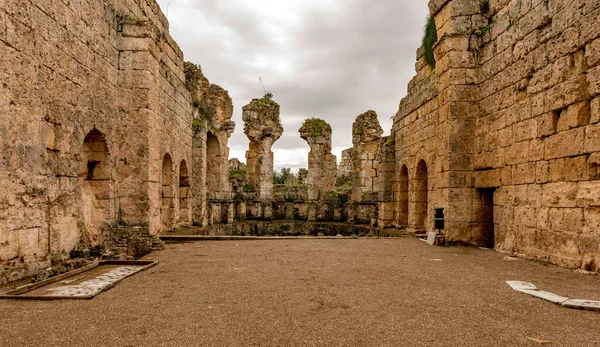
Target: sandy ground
x=384, y=292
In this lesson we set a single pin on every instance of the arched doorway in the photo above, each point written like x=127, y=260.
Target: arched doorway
x=421, y=196
x=213, y=174
x=403, y=197
x=166, y=182
x=184, y=194
x=96, y=186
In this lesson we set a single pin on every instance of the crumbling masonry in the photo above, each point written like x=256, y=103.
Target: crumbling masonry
x=503, y=132
x=107, y=134
x=322, y=165
x=97, y=129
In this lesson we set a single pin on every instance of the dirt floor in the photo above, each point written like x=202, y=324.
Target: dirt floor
x=364, y=292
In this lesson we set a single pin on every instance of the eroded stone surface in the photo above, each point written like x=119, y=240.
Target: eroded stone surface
x=322, y=165
x=97, y=117
x=263, y=128
x=506, y=125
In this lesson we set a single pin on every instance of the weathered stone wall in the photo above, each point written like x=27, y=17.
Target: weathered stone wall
x=366, y=137
x=212, y=127
x=96, y=125
x=322, y=165
x=263, y=128
x=506, y=126
x=344, y=170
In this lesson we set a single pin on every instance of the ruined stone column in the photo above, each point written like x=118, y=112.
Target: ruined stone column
x=263, y=128
x=322, y=164
x=366, y=139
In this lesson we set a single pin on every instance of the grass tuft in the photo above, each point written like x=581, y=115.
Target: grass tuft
x=429, y=40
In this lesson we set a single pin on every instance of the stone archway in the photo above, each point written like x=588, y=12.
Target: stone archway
x=421, y=196
x=403, y=197
x=184, y=194
x=96, y=186
x=166, y=182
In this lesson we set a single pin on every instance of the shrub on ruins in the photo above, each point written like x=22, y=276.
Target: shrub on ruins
x=266, y=100
x=430, y=38
x=315, y=127
x=205, y=110
x=281, y=177
x=197, y=124
x=237, y=174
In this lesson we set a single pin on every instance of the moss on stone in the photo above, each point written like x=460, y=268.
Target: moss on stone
x=205, y=109
x=315, y=126
x=197, y=124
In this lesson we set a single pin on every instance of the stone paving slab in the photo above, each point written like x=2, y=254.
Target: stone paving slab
x=83, y=283
x=589, y=305
x=518, y=285
x=95, y=285
x=557, y=299
x=531, y=289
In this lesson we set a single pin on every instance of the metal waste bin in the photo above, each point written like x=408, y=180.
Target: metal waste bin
x=439, y=218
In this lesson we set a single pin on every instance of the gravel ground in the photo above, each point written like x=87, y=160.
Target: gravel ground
x=366, y=292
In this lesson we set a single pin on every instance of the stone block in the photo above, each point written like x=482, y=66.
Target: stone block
x=565, y=144
x=525, y=216
x=524, y=173
x=569, y=92
x=592, y=138
x=564, y=43
x=595, y=110
x=573, y=220
x=593, y=80
x=137, y=44
x=556, y=170
x=574, y=116
x=487, y=179
x=576, y=169
x=562, y=194
x=547, y=124
x=592, y=53
x=555, y=219
x=541, y=171
x=592, y=220
x=588, y=31
x=587, y=194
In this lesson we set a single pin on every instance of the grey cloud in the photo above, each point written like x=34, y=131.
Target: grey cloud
x=341, y=63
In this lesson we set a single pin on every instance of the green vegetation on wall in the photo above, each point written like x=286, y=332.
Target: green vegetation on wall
x=316, y=126
x=266, y=100
x=206, y=110
x=429, y=40
x=206, y=113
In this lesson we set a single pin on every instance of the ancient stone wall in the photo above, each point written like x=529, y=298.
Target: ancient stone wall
x=212, y=127
x=96, y=125
x=502, y=132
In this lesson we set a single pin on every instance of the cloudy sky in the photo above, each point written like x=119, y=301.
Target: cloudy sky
x=331, y=59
